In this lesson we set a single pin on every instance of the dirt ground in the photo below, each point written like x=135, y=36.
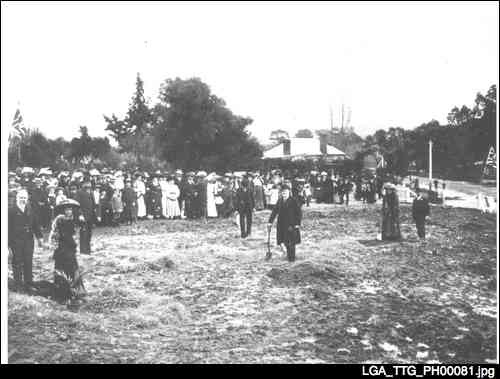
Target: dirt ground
x=190, y=292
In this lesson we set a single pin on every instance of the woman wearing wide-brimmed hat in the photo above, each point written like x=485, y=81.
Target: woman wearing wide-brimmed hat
x=390, y=214
x=68, y=282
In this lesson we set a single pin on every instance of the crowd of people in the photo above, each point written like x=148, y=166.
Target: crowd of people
x=62, y=202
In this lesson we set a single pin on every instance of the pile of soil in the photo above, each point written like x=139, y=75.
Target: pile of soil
x=308, y=273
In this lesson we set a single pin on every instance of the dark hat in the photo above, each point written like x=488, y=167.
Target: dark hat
x=285, y=187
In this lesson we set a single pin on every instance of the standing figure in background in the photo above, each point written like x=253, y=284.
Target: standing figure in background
x=390, y=214
x=39, y=201
x=420, y=210
x=86, y=216
x=201, y=194
x=172, y=203
x=190, y=196
x=258, y=192
x=245, y=205
x=129, y=198
x=51, y=202
x=140, y=190
x=163, y=187
x=211, y=206
x=117, y=206
x=155, y=199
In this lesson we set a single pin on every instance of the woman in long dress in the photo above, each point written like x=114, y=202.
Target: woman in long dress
x=68, y=283
x=140, y=190
x=172, y=199
x=258, y=192
x=163, y=186
x=390, y=214
x=211, y=189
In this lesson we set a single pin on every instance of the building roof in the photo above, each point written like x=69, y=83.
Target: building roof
x=302, y=147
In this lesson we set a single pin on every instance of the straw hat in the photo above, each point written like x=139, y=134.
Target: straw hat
x=67, y=203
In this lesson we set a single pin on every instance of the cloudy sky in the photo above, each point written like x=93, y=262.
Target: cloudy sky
x=283, y=64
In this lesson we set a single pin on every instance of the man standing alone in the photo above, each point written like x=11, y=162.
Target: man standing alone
x=244, y=206
x=420, y=211
x=289, y=218
x=23, y=224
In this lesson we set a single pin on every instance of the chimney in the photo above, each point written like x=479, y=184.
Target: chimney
x=286, y=147
x=322, y=143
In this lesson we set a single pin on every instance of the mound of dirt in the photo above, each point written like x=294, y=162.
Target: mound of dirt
x=307, y=273
x=160, y=264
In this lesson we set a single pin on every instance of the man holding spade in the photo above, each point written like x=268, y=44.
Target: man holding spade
x=288, y=228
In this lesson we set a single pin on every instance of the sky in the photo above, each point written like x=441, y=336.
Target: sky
x=282, y=64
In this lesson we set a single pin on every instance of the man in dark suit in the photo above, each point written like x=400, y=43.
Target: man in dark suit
x=289, y=218
x=244, y=206
x=86, y=216
x=420, y=210
x=23, y=224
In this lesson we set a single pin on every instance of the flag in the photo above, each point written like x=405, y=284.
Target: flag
x=18, y=128
x=380, y=160
x=491, y=159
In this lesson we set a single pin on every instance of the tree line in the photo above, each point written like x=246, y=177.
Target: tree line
x=189, y=127
x=458, y=147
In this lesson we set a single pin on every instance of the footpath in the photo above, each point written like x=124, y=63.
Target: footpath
x=466, y=195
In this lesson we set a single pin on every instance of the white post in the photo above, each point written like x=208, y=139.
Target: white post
x=430, y=164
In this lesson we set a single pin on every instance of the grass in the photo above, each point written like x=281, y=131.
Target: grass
x=193, y=292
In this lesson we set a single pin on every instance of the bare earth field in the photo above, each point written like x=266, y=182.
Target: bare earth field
x=190, y=292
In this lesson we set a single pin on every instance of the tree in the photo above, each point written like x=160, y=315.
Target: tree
x=279, y=135
x=133, y=133
x=304, y=133
x=85, y=148
x=194, y=128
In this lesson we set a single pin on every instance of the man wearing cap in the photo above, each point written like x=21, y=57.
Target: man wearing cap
x=289, y=218
x=245, y=205
x=86, y=216
x=23, y=225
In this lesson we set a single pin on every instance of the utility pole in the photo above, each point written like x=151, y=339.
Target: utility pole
x=342, y=124
x=430, y=164
x=331, y=119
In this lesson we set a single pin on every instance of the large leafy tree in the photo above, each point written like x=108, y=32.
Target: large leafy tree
x=86, y=148
x=279, y=135
x=134, y=132
x=194, y=129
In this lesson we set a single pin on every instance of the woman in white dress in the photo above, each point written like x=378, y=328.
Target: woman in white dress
x=211, y=190
x=140, y=190
x=172, y=202
x=163, y=186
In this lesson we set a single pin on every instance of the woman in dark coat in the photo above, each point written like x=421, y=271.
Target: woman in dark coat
x=289, y=218
x=390, y=215
x=68, y=283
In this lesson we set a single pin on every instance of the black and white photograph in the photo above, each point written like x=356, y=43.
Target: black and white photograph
x=250, y=183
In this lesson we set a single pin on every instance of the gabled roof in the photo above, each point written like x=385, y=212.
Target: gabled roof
x=302, y=147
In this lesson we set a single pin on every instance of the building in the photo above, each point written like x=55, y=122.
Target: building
x=296, y=149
